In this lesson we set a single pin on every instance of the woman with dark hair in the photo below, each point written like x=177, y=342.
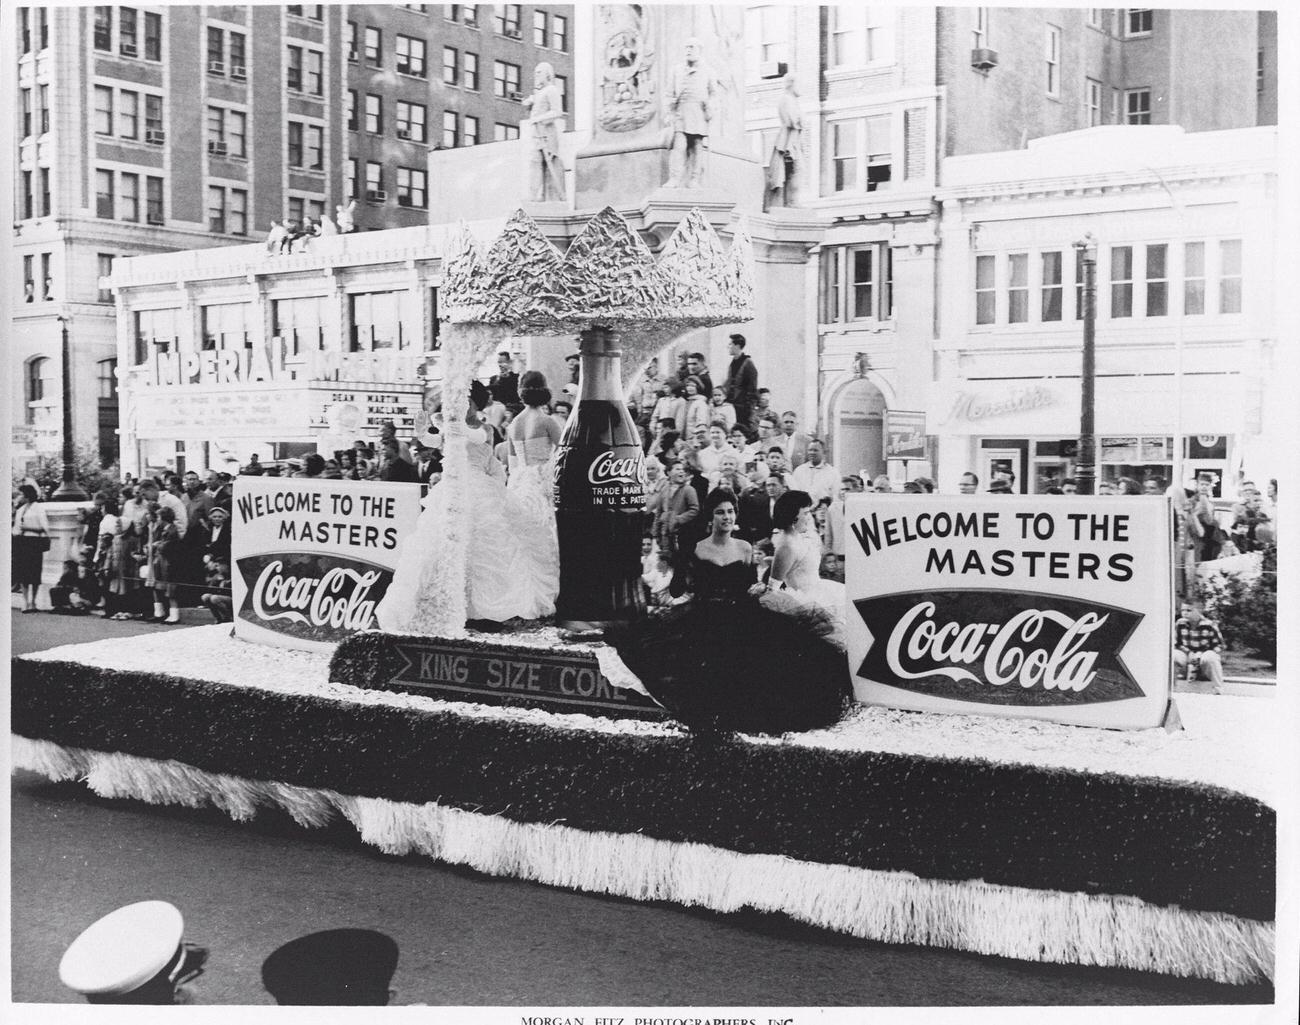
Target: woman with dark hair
x=797, y=557
x=731, y=659
x=164, y=549
x=697, y=405
x=512, y=571
x=31, y=540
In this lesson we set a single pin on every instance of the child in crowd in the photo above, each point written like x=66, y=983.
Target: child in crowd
x=217, y=597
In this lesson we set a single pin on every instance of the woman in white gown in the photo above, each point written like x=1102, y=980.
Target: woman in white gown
x=513, y=559
x=797, y=559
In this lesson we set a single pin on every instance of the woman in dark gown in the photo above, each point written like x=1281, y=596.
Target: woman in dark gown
x=727, y=662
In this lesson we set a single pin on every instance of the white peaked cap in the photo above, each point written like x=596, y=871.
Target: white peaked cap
x=123, y=950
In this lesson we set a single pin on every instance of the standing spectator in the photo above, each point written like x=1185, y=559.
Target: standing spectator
x=504, y=384
x=313, y=466
x=218, y=546
x=967, y=485
x=776, y=461
x=646, y=394
x=696, y=367
x=1249, y=520
x=711, y=455
x=741, y=385
x=1069, y=486
x=763, y=405
x=90, y=521
x=793, y=443
x=1153, y=486
x=835, y=529
x=656, y=492
x=757, y=507
x=1197, y=644
x=31, y=533
x=670, y=406
x=666, y=448
x=574, y=363
x=1206, y=524
x=721, y=409
x=164, y=542
x=697, y=404
x=560, y=410
x=428, y=462
x=676, y=524
x=149, y=492
x=393, y=467
x=816, y=476
x=1128, y=486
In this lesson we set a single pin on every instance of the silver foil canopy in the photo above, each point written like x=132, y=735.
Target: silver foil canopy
x=608, y=276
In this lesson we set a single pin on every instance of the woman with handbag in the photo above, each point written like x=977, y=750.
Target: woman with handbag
x=31, y=540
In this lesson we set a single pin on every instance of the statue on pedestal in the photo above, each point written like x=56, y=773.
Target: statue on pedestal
x=785, y=167
x=689, y=98
x=545, y=170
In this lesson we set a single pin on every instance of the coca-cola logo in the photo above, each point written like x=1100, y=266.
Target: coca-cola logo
x=610, y=468
x=314, y=597
x=999, y=647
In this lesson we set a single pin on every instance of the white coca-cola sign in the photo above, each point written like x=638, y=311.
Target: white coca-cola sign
x=611, y=468
x=1048, y=607
x=311, y=559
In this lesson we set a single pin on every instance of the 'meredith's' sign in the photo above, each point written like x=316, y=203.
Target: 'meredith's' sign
x=1043, y=607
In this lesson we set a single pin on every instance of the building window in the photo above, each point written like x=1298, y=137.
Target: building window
x=297, y=208
x=352, y=110
x=350, y=185
x=469, y=131
x=1018, y=288
x=29, y=278
x=1052, y=58
x=844, y=155
x=880, y=35
x=506, y=21
x=25, y=185
x=295, y=144
x=374, y=47
x=350, y=37
x=126, y=42
x=1157, y=280
x=128, y=115
x=153, y=200
x=450, y=65
x=1092, y=101
x=225, y=326
x=43, y=27
x=152, y=36
x=103, y=31
x=216, y=51
x=503, y=133
x=469, y=14
x=300, y=323
x=985, y=290
x=412, y=188
x=374, y=181
x=43, y=103
x=505, y=79
x=1052, y=287
x=39, y=371
x=1193, y=278
x=216, y=209
x=106, y=369
x=1137, y=107
x=129, y=198
x=374, y=113
x=862, y=283
x=411, y=121
x=980, y=30
x=217, y=131
x=25, y=102
x=315, y=145
x=153, y=118
x=450, y=137
x=560, y=33
x=315, y=73
x=103, y=110
x=879, y=151
x=156, y=329
x=469, y=70
x=376, y=321
x=767, y=38
x=411, y=56
x=1138, y=21
x=562, y=84
x=293, y=72
x=1121, y=281
x=47, y=280
x=868, y=270
x=44, y=175
x=539, y=27
x=104, y=199
x=237, y=63
x=1230, y=276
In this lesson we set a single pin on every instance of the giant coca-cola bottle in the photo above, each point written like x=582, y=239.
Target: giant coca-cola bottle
x=599, y=496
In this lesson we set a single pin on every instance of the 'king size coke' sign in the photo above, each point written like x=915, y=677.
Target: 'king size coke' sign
x=1053, y=607
x=312, y=559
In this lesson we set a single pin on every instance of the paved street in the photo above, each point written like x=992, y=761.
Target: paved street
x=464, y=938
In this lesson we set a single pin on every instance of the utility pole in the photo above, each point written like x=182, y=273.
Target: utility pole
x=1085, y=472
x=69, y=490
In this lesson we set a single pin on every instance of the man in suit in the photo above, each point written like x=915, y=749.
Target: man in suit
x=696, y=367
x=793, y=442
x=504, y=384
x=427, y=461
x=741, y=386
x=756, y=509
x=676, y=528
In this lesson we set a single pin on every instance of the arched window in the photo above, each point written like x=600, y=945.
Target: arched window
x=38, y=383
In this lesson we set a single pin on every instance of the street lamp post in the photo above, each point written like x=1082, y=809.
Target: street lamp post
x=69, y=490
x=1085, y=472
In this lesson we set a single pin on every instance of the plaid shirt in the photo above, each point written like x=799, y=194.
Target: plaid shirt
x=1204, y=636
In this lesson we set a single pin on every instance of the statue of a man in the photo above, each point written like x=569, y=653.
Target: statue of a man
x=786, y=161
x=545, y=170
x=689, y=98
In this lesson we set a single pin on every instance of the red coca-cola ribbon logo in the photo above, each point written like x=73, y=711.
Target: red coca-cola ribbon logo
x=314, y=597
x=611, y=468
x=999, y=647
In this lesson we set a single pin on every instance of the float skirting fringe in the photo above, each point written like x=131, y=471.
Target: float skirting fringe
x=890, y=907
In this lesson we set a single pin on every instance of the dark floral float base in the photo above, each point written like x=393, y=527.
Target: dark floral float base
x=1151, y=851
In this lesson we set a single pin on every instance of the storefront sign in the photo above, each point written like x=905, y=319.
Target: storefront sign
x=370, y=408
x=904, y=434
x=1035, y=607
x=560, y=682
x=273, y=363
x=227, y=412
x=312, y=558
x=976, y=407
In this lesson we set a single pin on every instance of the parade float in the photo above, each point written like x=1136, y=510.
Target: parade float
x=1009, y=780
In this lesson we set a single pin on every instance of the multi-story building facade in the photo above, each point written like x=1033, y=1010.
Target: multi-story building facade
x=155, y=129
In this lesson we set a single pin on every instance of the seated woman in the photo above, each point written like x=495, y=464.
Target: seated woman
x=513, y=571
x=797, y=560
x=726, y=661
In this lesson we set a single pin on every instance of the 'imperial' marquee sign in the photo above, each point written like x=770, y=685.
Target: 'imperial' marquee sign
x=312, y=558
x=1040, y=607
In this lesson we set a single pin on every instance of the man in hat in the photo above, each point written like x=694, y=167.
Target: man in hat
x=134, y=955
x=334, y=968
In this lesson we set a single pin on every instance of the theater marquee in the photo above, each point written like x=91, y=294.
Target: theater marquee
x=1043, y=607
